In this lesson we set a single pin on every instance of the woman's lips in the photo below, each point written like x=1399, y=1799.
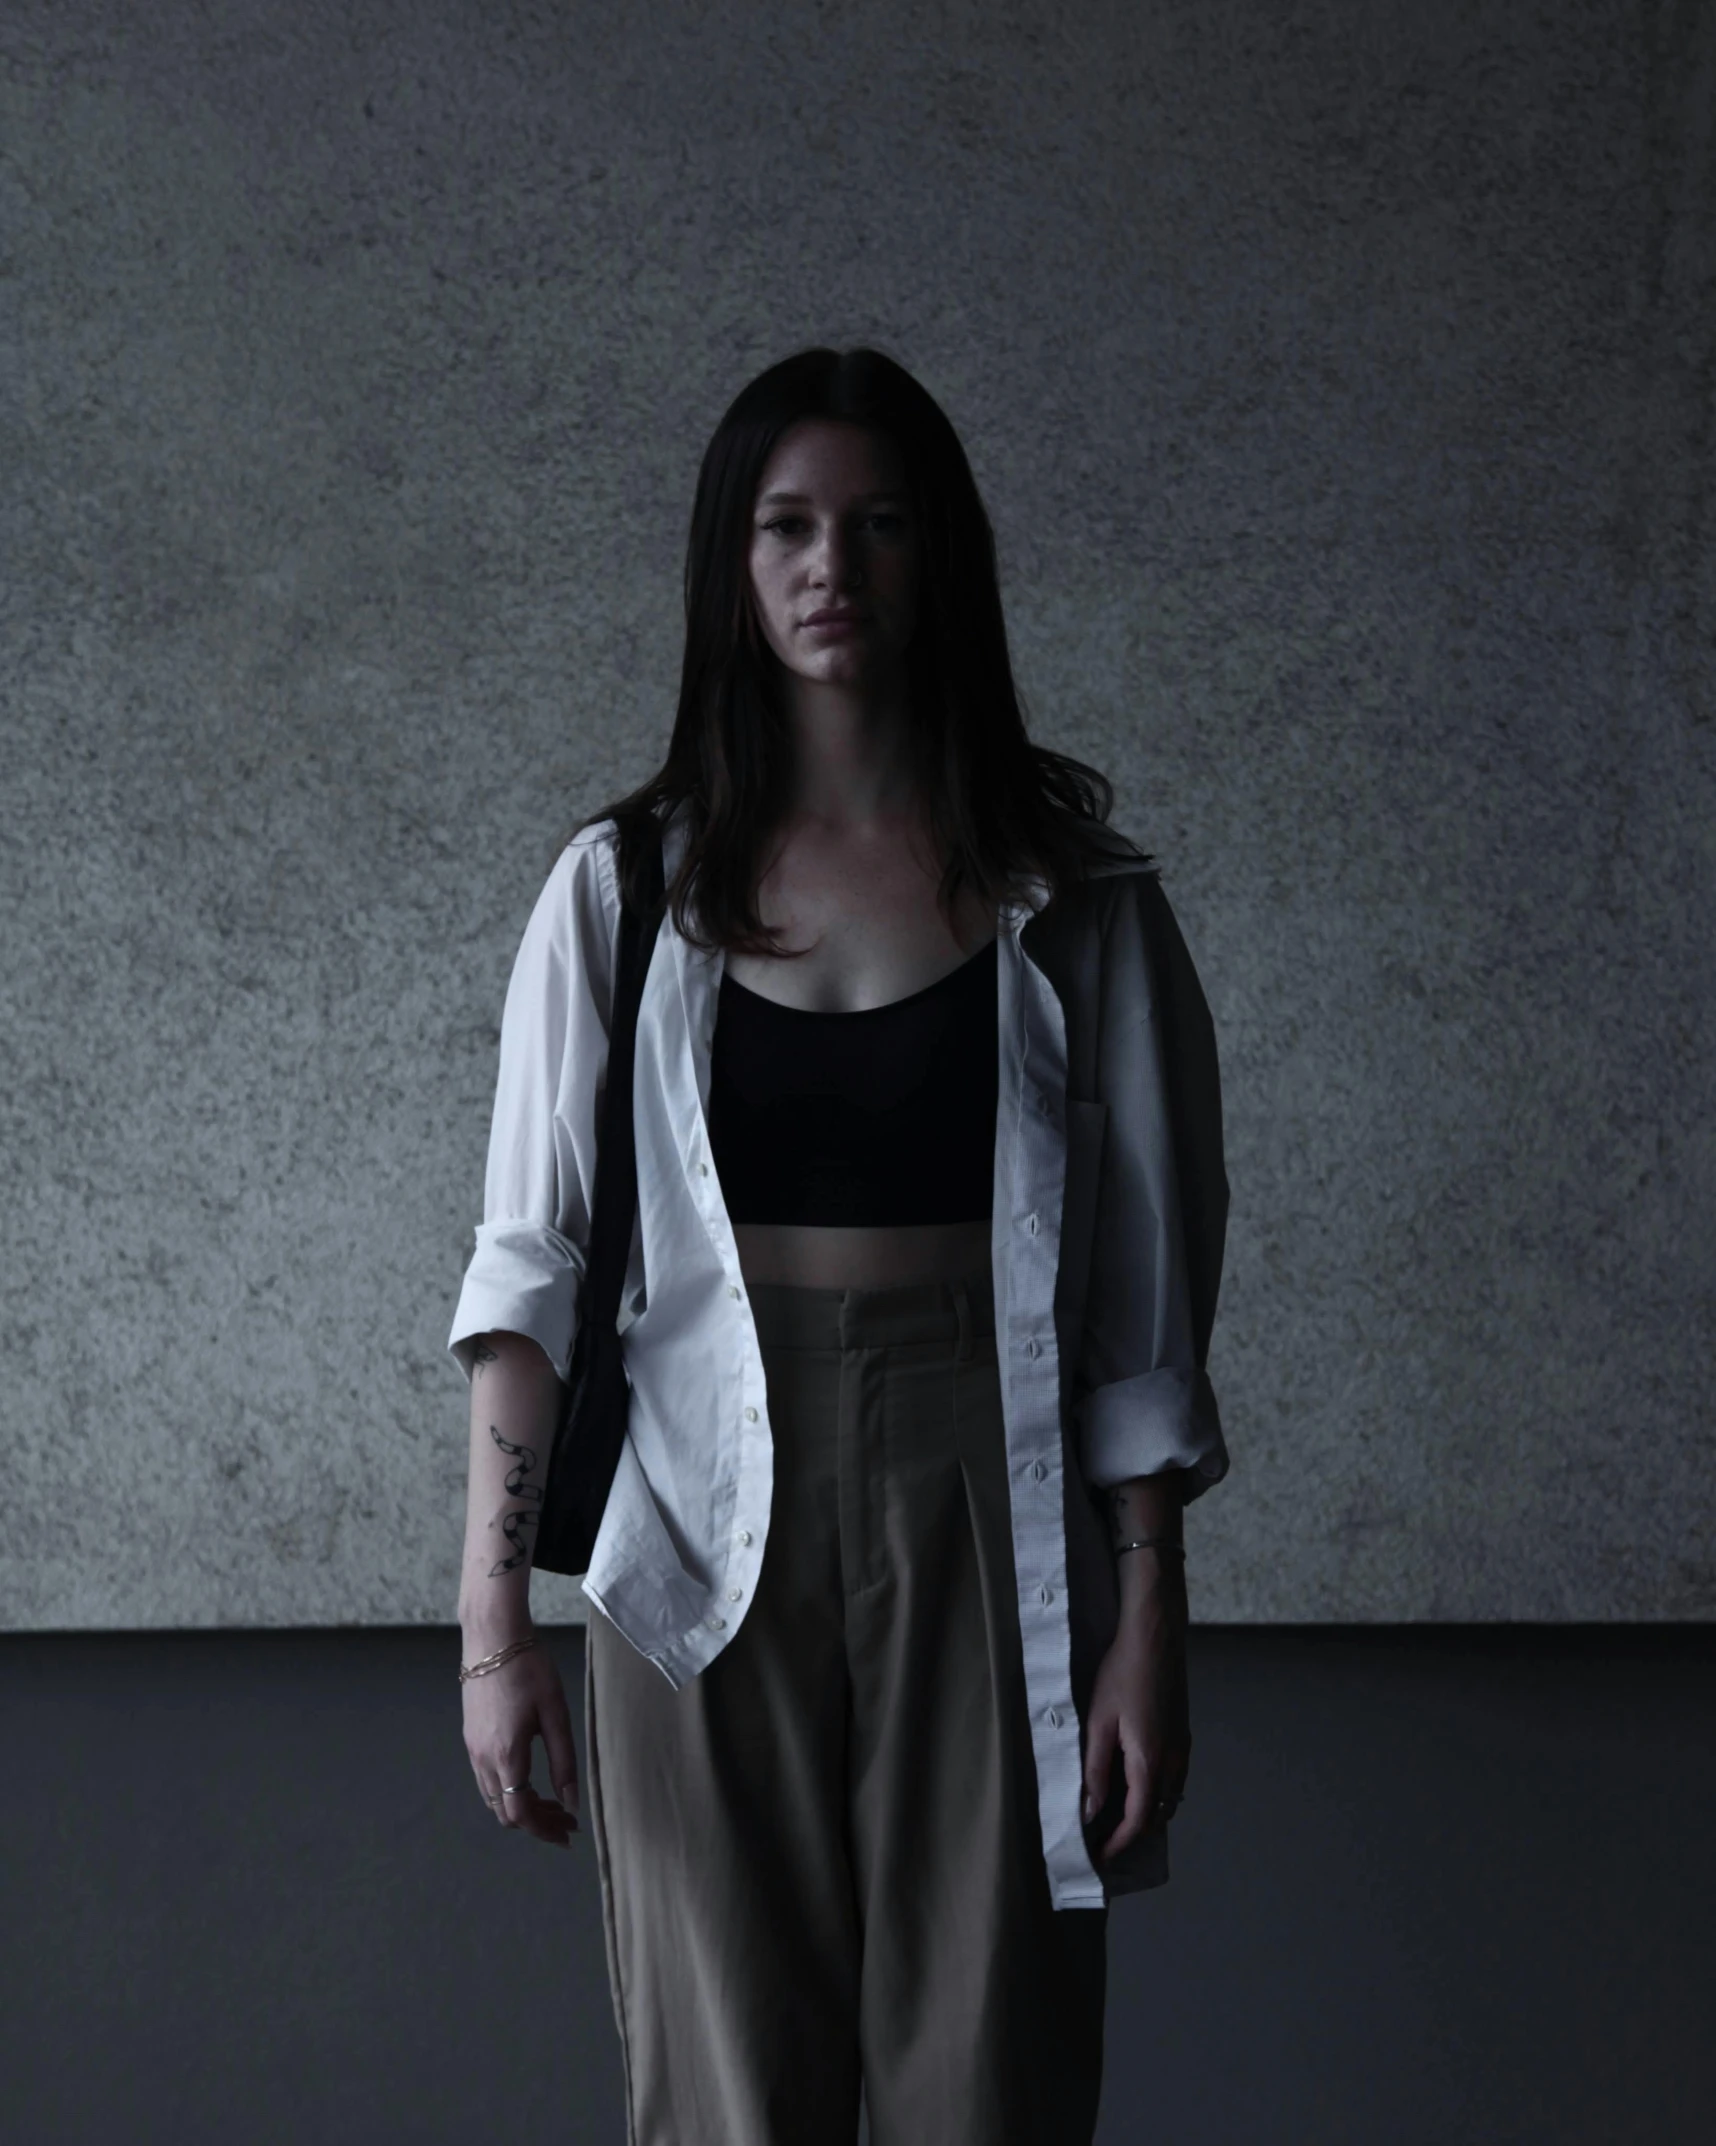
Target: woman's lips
x=848, y=624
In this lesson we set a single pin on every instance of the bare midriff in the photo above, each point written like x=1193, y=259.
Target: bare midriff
x=816, y=1257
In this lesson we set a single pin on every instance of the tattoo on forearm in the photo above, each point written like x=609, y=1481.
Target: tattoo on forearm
x=525, y=1458
x=482, y=1355
x=512, y=1524
x=510, y=1528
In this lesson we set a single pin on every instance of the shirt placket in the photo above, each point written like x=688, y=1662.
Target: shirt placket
x=738, y=1489
x=1035, y=1452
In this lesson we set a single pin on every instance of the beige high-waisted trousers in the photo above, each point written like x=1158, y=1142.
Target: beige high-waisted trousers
x=821, y=1862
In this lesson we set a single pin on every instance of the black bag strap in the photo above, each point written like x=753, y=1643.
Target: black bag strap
x=615, y=1210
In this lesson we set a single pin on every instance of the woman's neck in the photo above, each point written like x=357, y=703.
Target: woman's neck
x=852, y=759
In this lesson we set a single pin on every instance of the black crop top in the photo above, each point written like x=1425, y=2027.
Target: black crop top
x=886, y=1115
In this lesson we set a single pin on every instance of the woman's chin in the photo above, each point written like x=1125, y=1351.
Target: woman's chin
x=858, y=669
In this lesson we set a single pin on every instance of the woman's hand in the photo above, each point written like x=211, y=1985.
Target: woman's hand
x=1139, y=1707
x=505, y=1711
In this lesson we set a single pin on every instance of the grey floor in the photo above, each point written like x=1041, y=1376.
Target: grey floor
x=1437, y=1884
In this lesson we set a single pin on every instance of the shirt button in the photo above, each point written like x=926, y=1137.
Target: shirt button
x=1039, y=1469
x=744, y=1535
x=1031, y=1349
x=750, y=1415
x=1052, y=1717
x=703, y=1169
x=716, y=1624
x=732, y=1289
x=1031, y=1225
x=1045, y=1594
x=735, y=1594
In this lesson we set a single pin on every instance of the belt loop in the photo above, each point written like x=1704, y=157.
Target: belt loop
x=963, y=1350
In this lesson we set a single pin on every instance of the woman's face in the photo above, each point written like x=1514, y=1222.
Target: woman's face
x=834, y=554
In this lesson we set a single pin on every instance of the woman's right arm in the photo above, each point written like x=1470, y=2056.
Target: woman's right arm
x=515, y=1401
x=516, y=1322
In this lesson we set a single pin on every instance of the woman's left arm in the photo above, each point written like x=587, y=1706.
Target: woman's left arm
x=1139, y=1706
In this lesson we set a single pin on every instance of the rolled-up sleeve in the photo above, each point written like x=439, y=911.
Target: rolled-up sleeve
x=1143, y=1399
x=524, y=1275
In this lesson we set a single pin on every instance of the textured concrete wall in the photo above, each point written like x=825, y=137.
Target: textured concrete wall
x=1342, y=378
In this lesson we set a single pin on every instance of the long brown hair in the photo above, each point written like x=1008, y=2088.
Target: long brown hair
x=1000, y=808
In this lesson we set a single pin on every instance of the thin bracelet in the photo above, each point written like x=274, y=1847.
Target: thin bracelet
x=493, y=1661
x=1166, y=1543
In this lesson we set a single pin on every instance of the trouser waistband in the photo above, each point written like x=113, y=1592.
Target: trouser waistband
x=954, y=1312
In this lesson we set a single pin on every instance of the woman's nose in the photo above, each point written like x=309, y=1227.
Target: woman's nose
x=834, y=563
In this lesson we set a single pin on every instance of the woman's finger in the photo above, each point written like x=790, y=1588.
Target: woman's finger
x=487, y=1787
x=543, y=1817
x=1170, y=1787
x=1101, y=1744
x=562, y=1752
x=523, y=1810
x=513, y=1760
x=1137, y=1803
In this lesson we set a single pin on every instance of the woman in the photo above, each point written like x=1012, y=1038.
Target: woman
x=885, y=1690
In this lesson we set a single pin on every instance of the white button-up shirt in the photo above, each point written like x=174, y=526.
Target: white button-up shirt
x=1110, y=1205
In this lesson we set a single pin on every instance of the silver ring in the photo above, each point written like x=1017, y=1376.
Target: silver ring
x=518, y=1791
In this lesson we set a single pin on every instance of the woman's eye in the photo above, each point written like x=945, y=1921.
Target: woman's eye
x=787, y=525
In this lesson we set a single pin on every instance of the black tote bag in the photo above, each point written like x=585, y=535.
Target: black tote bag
x=592, y=1425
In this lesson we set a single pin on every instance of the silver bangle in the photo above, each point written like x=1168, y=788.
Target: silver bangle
x=1167, y=1543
